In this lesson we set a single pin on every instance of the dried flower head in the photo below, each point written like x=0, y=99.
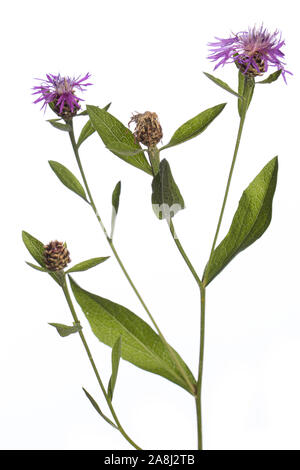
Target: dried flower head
x=253, y=51
x=60, y=93
x=56, y=256
x=148, y=130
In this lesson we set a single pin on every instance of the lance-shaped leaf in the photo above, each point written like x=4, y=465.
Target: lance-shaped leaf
x=68, y=179
x=115, y=199
x=85, y=113
x=166, y=197
x=114, y=133
x=250, y=221
x=36, y=249
x=59, y=125
x=140, y=344
x=87, y=129
x=246, y=90
x=115, y=206
x=66, y=330
x=272, y=77
x=88, y=264
x=115, y=361
x=38, y=268
x=222, y=84
x=126, y=150
x=97, y=408
x=86, y=132
x=195, y=126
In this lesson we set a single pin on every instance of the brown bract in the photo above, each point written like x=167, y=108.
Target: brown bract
x=56, y=256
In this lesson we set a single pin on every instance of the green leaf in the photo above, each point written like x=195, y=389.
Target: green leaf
x=140, y=344
x=246, y=89
x=115, y=361
x=222, y=84
x=272, y=77
x=87, y=129
x=38, y=268
x=115, y=206
x=86, y=132
x=65, y=330
x=123, y=149
x=68, y=179
x=36, y=249
x=250, y=221
x=88, y=264
x=166, y=197
x=113, y=134
x=195, y=126
x=97, y=408
x=116, y=197
x=59, y=125
x=85, y=113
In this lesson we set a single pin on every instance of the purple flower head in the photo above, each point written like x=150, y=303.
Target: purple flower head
x=253, y=51
x=60, y=92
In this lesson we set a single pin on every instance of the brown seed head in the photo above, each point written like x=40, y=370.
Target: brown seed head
x=148, y=130
x=56, y=256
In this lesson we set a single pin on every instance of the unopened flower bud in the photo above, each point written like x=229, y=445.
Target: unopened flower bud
x=56, y=256
x=148, y=130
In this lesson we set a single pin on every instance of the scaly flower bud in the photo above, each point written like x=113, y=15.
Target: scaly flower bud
x=56, y=256
x=148, y=130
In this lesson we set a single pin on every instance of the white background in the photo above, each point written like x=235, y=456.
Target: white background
x=148, y=56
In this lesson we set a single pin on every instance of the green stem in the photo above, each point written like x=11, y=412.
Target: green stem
x=183, y=253
x=202, y=333
x=76, y=153
x=87, y=349
x=111, y=244
x=248, y=91
x=154, y=157
x=200, y=371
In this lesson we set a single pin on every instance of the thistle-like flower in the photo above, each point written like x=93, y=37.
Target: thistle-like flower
x=253, y=51
x=148, y=130
x=59, y=92
x=56, y=256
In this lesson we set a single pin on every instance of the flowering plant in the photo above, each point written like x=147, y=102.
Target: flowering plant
x=130, y=337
